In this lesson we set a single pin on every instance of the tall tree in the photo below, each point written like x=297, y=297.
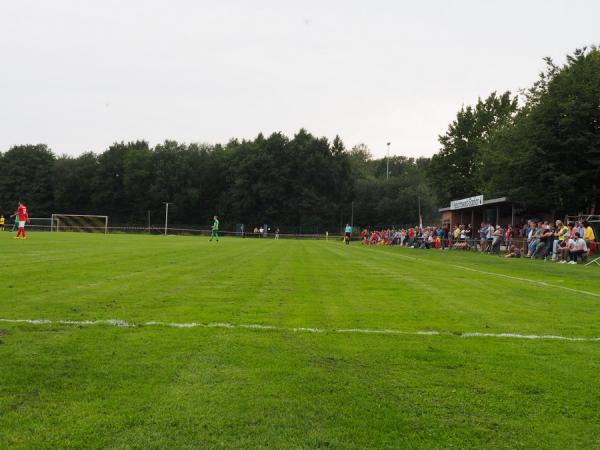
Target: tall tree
x=550, y=158
x=455, y=170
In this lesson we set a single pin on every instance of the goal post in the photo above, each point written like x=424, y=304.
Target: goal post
x=89, y=223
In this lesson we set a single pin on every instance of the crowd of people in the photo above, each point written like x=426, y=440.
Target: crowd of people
x=559, y=242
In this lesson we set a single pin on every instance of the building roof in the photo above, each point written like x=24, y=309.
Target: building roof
x=492, y=201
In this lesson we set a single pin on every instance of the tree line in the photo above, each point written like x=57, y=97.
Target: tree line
x=304, y=184
x=540, y=148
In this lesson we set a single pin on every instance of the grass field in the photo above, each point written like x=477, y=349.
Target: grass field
x=327, y=374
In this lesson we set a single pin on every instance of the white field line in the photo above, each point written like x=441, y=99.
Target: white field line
x=124, y=324
x=496, y=274
x=528, y=280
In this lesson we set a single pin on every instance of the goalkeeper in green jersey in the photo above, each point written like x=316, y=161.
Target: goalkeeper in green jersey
x=215, y=229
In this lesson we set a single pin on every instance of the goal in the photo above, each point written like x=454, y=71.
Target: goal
x=79, y=222
x=40, y=223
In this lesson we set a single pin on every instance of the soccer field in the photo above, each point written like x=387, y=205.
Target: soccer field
x=175, y=342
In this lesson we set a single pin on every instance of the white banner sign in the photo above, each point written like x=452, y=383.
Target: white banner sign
x=467, y=202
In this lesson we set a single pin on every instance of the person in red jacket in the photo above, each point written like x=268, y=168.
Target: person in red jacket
x=23, y=217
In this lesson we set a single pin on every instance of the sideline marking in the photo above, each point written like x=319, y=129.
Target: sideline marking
x=541, y=283
x=124, y=324
x=527, y=280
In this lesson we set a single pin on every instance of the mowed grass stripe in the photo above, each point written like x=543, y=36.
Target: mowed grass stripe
x=119, y=275
x=285, y=283
x=454, y=300
x=532, y=271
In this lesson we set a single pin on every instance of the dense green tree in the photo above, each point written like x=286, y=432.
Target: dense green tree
x=27, y=175
x=549, y=159
x=455, y=171
x=74, y=183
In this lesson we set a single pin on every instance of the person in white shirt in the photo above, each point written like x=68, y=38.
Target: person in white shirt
x=579, y=248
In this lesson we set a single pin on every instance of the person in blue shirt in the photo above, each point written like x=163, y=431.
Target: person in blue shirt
x=347, y=233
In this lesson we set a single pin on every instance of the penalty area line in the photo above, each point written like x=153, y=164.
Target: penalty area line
x=124, y=324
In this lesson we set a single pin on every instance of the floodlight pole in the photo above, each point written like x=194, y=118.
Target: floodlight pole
x=387, y=162
x=420, y=220
x=167, y=216
x=352, y=217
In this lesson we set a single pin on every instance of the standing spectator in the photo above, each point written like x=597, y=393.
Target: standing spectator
x=483, y=237
x=497, y=235
x=508, y=236
x=489, y=233
x=456, y=233
x=1, y=222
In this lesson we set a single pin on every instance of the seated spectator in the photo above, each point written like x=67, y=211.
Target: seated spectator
x=562, y=250
x=560, y=234
x=578, y=249
x=588, y=234
x=544, y=234
x=515, y=252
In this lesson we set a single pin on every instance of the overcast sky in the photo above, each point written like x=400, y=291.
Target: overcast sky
x=79, y=75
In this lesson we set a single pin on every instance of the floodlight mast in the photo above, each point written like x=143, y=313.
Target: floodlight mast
x=167, y=216
x=387, y=162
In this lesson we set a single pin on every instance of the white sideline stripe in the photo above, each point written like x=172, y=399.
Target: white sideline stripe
x=540, y=283
x=124, y=324
x=527, y=280
x=527, y=336
x=362, y=330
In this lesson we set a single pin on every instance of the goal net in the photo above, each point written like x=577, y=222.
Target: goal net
x=80, y=222
x=40, y=223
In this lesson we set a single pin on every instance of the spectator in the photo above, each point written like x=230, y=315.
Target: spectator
x=560, y=234
x=456, y=233
x=483, y=237
x=588, y=233
x=497, y=235
x=533, y=238
x=544, y=235
x=578, y=250
x=515, y=252
x=563, y=248
x=508, y=236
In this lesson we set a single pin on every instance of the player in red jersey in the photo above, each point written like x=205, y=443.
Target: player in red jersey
x=23, y=217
